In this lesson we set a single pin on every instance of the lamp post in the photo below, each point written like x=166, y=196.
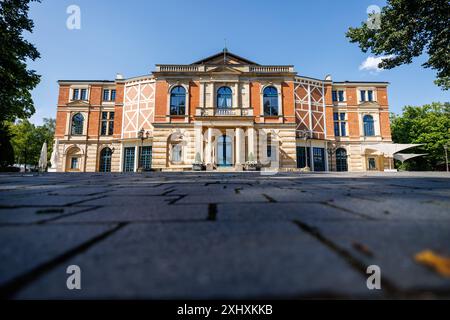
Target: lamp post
x=446, y=155
x=306, y=134
x=142, y=135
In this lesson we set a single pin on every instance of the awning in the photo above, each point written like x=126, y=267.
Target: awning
x=406, y=156
x=389, y=149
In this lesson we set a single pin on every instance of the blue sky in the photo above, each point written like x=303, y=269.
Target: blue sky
x=132, y=36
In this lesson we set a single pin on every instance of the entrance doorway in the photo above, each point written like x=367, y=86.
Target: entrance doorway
x=224, y=151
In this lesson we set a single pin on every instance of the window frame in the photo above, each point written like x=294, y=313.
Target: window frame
x=368, y=131
x=270, y=97
x=105, y=160
x=77, y=161
x=219, y=95
x=173, y=95
x=72, y=125
x=108, y=122
x=75, y=93
x=341, y=123
x=336, y=93
x=109, y=95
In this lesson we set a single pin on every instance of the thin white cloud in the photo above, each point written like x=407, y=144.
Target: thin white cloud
x=371, y=63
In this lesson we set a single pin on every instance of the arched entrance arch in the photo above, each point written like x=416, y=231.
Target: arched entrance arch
x=74, y=158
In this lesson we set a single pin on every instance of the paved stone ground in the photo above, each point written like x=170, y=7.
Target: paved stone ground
x=222, y=235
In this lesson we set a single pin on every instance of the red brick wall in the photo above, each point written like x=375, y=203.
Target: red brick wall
x=118, y=108
x=194, y=97
x=288, y=101
x=329, y=111
x=63, y=96
x=161, y=101
x=255, y=99
x=61, y=120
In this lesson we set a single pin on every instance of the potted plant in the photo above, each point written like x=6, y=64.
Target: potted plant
x=251, y=164
x=198, y=164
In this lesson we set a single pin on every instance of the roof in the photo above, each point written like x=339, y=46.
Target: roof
x=226, y=54
x=347, y=81
x=86, y=81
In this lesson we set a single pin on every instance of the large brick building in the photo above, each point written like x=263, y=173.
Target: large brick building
x=223, y=110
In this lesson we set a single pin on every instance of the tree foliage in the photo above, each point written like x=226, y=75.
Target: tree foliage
x=17, y=81
x=407, y=28
x=27, y=140
x=6, y=149
x=428, y=124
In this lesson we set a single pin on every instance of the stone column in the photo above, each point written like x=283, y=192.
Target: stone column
x=199, y=141
x=208, y=151
x=251, y=143
x=240, y=146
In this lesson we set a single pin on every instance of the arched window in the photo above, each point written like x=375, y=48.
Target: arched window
x=178, y=101
x=341, y=160
x=77, y=123
x=270, y=101
x=105, y=160
x=224, y=98
x=369, y=129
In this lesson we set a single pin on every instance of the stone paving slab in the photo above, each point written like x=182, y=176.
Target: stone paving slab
x=206, y=260
x=38, y=214
x=232, y=235
x=258, y=212
x=26, y=247
x=141, y=213
x=392, y=246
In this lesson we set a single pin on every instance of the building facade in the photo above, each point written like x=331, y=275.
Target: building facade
x=224, y=111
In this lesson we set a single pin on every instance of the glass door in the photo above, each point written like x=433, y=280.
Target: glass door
x=224, y=151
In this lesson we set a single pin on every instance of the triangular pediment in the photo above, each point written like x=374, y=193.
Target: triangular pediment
x=224, y=69
x=78, y=103
x=225, y=57
x=368, y=104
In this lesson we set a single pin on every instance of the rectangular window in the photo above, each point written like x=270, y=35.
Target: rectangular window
x=363, y=95
x=76, y=94
x=128, y=163
x=146, y=158
x=338, y=95
x=83, y=95
x=74, y=163
x=106, y=95
x=372, y=164
x=340, y=124
x=107, y=125
x=370, y=95
x=113, y=95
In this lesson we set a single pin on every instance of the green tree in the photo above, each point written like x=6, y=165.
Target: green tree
x=16, y=81
x=6, y=149
x=406, y=29
x=428, y=124
x=27, y=140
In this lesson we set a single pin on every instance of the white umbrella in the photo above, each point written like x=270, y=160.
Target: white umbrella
x=43, y=158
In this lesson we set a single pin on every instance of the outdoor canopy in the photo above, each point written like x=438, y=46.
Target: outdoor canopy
x=389, y=149
x=406, y=156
